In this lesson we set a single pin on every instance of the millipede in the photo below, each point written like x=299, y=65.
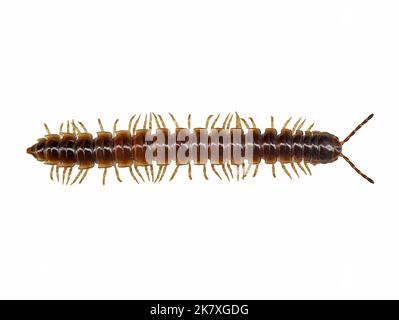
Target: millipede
x=148, y=150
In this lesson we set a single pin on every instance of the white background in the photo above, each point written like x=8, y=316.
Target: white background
x=332, y=235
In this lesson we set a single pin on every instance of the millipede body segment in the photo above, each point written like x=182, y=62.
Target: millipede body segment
x=238, y=145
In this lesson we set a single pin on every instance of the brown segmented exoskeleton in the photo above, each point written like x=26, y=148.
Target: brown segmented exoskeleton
x=234, y=149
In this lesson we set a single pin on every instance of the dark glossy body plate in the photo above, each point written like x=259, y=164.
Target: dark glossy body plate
x=123, y=152
x=104, y=146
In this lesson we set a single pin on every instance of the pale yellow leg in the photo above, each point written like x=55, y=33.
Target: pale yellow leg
x=300, y=167
x=51, y=172
x=307, y=168
x=215, y=171
x=296, y=125
x=256, y=170
x=117, y=173
x=139, y=173
x=84, y=175
x=286, y=123
x=83, y=126
x=245, y=123
x=189, y=171
x=238, y=121
x=189, y=121
x=163, y=172
x=225, y=121
x=57, y=173
x=247, y=171
x=74, y=127
x=136, y=124
x=229, y=167
x=160, y=168
x=293, y=167
x=129, y=128
x=63, y=174
x=174, y=173
x=145, y=122
x=215, y=121
x=162, y=122
x=132, y=173
x=47, y=129
x=174, y=120
x=229, y=123
x=252, y=122
x=100, y=125
x=156, y=120
x=204, y=171
x=69, y=175
x=150, y=127
x=301, y=125
x=285, y=170
x=207, y=121
x=238, y=172
x=147, y=173
x=77, y=176
x=152, y=172
x=225, y=172
x=273, y=170
x=104, y=176
x=311, y=127
x=115, y=124
x=272, y=122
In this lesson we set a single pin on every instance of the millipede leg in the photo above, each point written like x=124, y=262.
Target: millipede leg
x=273, y=170
x=160, y=168
x=256, y=170
x=215, y=171
x=272, y=122
x=77, y=176
x=300, y=126
x=189, y=121
x=104, y=176
x=61, y=127
x=204, y=172
x=296, y=125
x=75, y=128
x=307, y=168
x=46, y=127
x=84, y=176
x=287, y=122
x=189, y=171
x=145, y=122
x=300, y=167
x=310, y=128
x=238, y=172
x=231, y=171
x=132, y=174
x=163, y=173
x=139, y=173
x=152, y=172
x=174, y=172
x=174, y=120
x=117, y=173
x=69, y=175
x=156, y=120
x=225, y=171
x=115, y=124
x=247, y=171
x=63, y=174
x=252, y=122
x=229, y=123
x=207, y=121
x=245, y=123
x=57, y=173
x=215, y=121
x=162, y=122
x=83, y=126
x=100, y=125
x=150, y=127
x=147, y=173
x=225, y=121
x=238, y=121
x=129, y=128
x=293, y=167
x=285, y=170
x=51, y=172
x=136, y=123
